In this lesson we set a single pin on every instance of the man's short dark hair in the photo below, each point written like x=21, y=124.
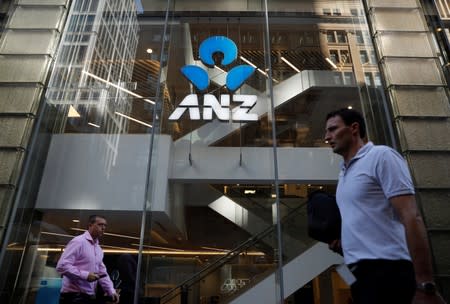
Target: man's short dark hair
x=93, y=218
x=350, y=116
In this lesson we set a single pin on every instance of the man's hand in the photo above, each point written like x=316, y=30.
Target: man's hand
x=92, y=277
x=335, y=246
x=423, y=298
x=115, y=298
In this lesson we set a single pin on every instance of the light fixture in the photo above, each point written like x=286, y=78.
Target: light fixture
x=258, y=69
x=94, y=125
x=149, y=51
x=73, y=113
x=222, y=70
x=216, y=249
x=274, y=195
x=331, y=62
x=111, y=234
x=118, y=87
x=290, y=64
x=57, y=234
x=134, y=119
x=349, y=107
x=247, y=61
x=326, y=143
x=160, y=252
x=248, y=191
x=158, y=247
x=75, y=221
x=262, y=72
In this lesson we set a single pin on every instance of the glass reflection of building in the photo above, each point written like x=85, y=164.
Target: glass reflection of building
x=199, y=201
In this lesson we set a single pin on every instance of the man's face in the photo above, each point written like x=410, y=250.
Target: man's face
x=338, y=135
x=98, y=228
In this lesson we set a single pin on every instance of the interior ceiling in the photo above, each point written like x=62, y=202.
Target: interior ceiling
x=204, y=227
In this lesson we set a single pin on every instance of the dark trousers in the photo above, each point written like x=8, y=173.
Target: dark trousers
x=383, y=282
x=76, y=298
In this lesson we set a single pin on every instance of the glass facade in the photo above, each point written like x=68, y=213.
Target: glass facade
x=203, y=186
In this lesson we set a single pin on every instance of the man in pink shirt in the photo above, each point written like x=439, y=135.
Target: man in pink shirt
x=81, y=266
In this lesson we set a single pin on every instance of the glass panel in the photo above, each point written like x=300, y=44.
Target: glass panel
x=32, y=17
x=38, y=43
x=399, y=20
x=18, y=69
x=406, y=71
x=335, y=72
x=193, y=127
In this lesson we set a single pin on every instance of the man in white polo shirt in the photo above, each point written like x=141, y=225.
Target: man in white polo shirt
x=384, y=240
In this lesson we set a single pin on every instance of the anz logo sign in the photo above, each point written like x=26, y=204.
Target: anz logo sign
x=234, y=80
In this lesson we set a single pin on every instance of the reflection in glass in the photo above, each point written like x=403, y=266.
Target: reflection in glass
x=194, y=198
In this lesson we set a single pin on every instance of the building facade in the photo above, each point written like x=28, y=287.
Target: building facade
x=196, y=128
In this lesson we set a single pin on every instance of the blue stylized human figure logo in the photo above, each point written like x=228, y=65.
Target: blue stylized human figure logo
x=235, y=77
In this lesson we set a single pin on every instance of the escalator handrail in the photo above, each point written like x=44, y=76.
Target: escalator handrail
x=233, y=253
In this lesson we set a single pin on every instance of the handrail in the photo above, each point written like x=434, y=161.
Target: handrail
x=233, y=253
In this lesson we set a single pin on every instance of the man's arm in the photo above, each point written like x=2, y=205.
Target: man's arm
x=107, y=284
x=65, y=264
x=417, y=240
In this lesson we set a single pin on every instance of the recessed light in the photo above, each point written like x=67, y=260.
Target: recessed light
x=149, y=51
x=94, y=125
x=73, y=113
x=349, y=107
x=75, y=221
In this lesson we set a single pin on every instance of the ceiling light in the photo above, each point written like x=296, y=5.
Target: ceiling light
x=117, y=87
x=290, y=64
x=274, y=195
x=134, y=119
x=57, y=234
x=331, y=62
x=249, y=191
x=158, y=247
x=73, y=112
x=149, y=51
x=222, y=70
x=94, y=125
x=111, y=234
x=262, y=72
x=216, y=249
x=349, y=107
x=247, y=61
x=75, y=221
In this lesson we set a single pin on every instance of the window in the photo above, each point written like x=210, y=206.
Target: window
x=354, y=12
x=359, y=37
x=364, y=57
x=327, y=11
x=336, y=12
x=368, y=79
x=334, y=56
x=341, y=36
x=377, y=80
x=345, y=57
x=348, y=78
x=373, y=58
x=330, y=37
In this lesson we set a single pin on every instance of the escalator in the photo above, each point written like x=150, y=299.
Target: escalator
x=252, y=281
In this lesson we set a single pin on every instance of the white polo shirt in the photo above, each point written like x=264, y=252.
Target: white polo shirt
x=371, y=228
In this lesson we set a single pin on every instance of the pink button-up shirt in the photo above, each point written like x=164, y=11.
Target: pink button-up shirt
x=81, y=256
